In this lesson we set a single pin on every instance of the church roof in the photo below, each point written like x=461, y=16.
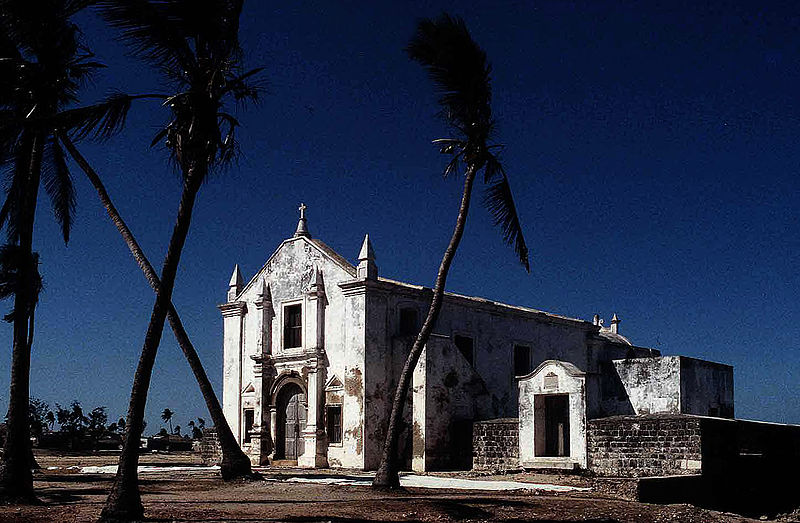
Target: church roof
x=485, y=301
x=338, y=258
x=613, y=336
x=366, y=251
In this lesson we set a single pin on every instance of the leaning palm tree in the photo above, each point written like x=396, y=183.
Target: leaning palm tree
x=234, y=464
x=458, y=67
x=196, y=46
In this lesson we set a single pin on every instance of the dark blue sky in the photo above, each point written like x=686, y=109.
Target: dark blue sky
x=652, y=149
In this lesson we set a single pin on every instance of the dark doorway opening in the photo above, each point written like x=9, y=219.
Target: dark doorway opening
x=556, y=425
x=291, y=407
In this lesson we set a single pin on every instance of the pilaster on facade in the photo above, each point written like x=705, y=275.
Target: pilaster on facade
x=316, y=445
x=262, y=446
x=233, y=314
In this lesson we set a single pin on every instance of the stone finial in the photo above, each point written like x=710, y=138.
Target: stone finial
x=615, y=324
x=302, y=226
x=596, y=319
x=236, y=283
x=317, y=286
x=366, y=261
x=265, y=294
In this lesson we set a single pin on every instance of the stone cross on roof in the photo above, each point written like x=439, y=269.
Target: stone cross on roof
x=302, y=227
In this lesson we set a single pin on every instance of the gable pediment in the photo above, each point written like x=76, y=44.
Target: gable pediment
x=334, y=383
x=290, y=269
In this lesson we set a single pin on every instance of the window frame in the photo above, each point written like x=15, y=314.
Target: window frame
x=526, y=345
x=246, y=438
x=462, y=334
x=284, y=319
x=403, y=308
x=328, y=432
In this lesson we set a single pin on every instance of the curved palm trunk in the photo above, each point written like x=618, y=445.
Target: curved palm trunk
x=386, y=476
x=235, y=464
x=124, y=502
x=16, y=478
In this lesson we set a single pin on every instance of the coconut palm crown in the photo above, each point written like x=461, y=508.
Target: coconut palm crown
x=459, y=69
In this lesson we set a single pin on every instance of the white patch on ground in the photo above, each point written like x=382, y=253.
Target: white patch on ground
x=436, y=482
x=112, y=469
x=406, y=480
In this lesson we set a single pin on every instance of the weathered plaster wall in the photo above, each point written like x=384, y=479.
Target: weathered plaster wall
x=671, y=385
x=706, y=388
x=652, y=385
x=455, y=396
x=351, y=452
x=232, y=367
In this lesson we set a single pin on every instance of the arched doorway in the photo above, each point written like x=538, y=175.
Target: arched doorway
x=291, y=420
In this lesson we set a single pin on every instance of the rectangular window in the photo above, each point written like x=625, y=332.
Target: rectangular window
x=522, y=360
x=293, y=326
x=334, y=423
x=465, y=346
x=408, y=322
x=249, y=419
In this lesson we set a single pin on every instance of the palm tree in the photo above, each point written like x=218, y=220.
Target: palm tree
x=167, y=417
x=235, y=464
x=196, y=46
x=458, y=67
x=42, y=66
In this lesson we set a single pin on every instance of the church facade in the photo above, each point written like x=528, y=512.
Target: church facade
x=314, y=345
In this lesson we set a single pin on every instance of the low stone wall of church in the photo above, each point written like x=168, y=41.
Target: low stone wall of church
x=637, y=446
x=495, y=444
x=210, y=451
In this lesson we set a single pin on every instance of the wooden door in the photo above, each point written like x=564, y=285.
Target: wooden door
x=292, y=410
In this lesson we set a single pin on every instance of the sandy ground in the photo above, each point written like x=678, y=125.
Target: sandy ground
x=196, y=494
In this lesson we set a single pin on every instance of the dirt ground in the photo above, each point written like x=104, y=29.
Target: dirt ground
x=203, y=496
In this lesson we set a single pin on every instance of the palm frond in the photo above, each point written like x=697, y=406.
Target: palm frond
x=100, y=121
x=500, y=202
x=58, y=185
x=459, y=69
x=243, y=88
x=17, y=167
x=454, y=166
x=153, y=29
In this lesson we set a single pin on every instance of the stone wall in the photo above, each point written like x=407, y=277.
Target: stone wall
x=636, y=446
x=210, y=450
x=495, y=444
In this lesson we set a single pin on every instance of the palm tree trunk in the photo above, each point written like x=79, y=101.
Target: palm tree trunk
x=16, y=479
x=124, y=502
x=386, y=476
x=235, y=464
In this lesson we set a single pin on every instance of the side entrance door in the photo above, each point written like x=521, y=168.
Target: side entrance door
x=556, y=425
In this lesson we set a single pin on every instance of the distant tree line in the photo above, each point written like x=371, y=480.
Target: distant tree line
x=78, y=430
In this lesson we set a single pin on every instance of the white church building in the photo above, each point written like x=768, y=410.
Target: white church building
x=314, y=345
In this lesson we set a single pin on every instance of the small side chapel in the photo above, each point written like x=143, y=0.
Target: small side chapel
x=314, y=346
